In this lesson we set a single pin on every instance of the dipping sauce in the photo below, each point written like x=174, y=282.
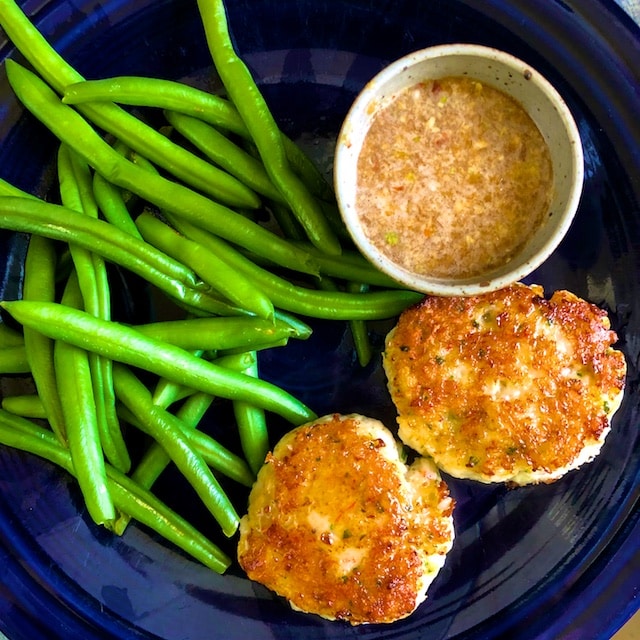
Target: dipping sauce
x=453, y=178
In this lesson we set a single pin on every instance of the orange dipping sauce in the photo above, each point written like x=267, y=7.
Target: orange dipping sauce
x=453, y=178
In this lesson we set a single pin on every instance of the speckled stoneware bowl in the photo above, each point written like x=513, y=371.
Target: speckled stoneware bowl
x=504, y=72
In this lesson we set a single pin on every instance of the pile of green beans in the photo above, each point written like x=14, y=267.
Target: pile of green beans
x=176, y=207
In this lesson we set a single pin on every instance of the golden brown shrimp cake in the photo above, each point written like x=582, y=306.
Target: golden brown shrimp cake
x=506, y=386
x=339, y=526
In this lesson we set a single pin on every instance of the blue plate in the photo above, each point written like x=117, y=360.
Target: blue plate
x=544, y=562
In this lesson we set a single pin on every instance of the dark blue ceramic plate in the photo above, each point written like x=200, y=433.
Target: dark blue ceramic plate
x=549, y=562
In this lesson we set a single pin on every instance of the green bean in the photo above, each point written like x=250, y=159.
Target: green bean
x=351, y=266
x=111, y=439
x=148, y=510
x=9, y=337
x=131, y=200
x=252, y=427
x=39, y=285
x=81, y=256
x=225, y=153
x=112, y=205
x=72, y=129
x=100, y=368
x=169, y=95
x=334, y=218
x=219, y=458
x=219, y=332
x=179, y=97
x=359, y=330
x=177, y=161
x=288, y=223
x=191, y=413
x=14, y=360
x=68, y=225
x=76, y=192
x=7, y=189
x=125, y=344
x=109, y=117
x=84, y=185
x=216, y=456
x=339, y=305
x=286, y=220
x=27, y=406
x=261, y=346
x=303, y=166
x=236, y=361
x=30, y=42
x=203, y=176
x=88, y=205
x=155, y=460
x=73, y=376
x=43, y=218
x=167, y=431
x=166, y=392
x=264, y=131
x=302, y=329
x=113, y=444
x=210, y=268
x=128, y=497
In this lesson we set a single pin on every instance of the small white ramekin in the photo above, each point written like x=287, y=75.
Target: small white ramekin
x=501, y=71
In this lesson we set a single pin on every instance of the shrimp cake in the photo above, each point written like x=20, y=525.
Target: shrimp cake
x=341, y=527
x=507, y=386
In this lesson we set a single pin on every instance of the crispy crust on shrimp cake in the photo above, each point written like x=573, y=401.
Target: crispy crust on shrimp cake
x=339, y=526
x=507, y=386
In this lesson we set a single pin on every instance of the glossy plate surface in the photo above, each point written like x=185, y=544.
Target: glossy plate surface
x=551, y=562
